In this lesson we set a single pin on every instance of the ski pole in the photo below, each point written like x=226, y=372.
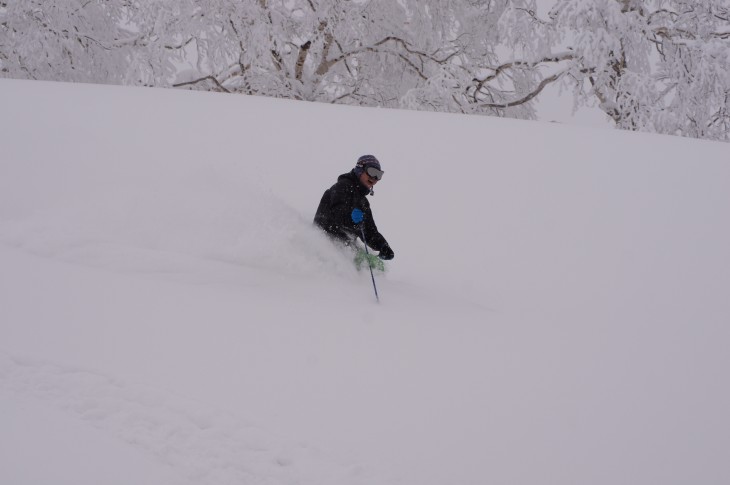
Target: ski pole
x=372, y=276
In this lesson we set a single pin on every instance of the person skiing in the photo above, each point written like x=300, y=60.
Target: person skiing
x=344, y=210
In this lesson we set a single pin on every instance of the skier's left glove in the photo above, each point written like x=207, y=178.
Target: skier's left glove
x=357, y=216
x=386, y=253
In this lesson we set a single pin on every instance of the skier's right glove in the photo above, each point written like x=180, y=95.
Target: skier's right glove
x=357, y=216
x=386, y=253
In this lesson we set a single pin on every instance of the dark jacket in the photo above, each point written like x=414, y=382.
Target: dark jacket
x=335, y=209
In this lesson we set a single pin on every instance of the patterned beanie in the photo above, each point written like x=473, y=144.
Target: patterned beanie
x=366, y=161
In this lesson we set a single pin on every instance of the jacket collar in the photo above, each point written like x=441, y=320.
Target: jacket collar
x=359, y=187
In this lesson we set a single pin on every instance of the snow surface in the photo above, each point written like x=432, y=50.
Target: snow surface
x=557, y=311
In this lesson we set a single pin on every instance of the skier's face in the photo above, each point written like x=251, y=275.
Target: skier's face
x=367, y=180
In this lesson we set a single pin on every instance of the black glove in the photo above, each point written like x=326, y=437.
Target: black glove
x=386, y=253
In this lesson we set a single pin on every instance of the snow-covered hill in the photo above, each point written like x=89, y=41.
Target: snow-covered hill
x=556, y=313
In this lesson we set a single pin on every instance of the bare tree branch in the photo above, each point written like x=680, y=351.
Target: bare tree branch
x=181, y=46
x=530, y=96
x=206, y=78
x=481, y=83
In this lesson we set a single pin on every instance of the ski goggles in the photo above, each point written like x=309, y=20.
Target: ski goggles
x=374, y=173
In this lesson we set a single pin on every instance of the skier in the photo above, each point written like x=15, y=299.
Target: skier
x=344, y=207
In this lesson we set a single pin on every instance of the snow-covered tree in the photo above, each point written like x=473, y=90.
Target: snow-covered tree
x=66, y=40
x=438, y=55
x=654, y=65
x=693, y=42
x=417, y=54
x=476, y=79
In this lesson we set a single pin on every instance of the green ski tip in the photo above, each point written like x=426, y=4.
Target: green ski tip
x=363, y=260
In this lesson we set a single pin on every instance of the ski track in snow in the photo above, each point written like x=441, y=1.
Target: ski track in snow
x=208, y=446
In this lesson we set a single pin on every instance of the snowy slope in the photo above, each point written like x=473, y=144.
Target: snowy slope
x=556, y=312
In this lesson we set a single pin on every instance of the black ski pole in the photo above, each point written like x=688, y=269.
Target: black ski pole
x=372, y=276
